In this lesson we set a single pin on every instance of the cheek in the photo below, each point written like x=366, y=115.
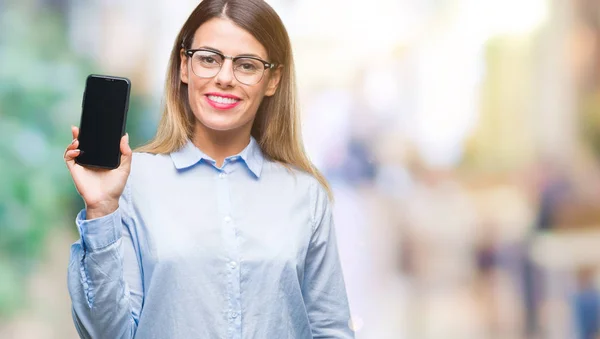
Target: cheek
x=254, y=103
x=195, y=86
x=257, y=94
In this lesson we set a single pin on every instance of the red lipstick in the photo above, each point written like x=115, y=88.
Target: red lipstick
x=222, y=101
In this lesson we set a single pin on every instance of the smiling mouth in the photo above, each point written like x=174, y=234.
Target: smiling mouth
x=222, y=100
x=222, y=103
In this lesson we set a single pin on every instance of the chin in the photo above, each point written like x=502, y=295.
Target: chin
x=221, y=124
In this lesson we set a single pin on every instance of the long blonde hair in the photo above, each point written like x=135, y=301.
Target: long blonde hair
x=276, y=127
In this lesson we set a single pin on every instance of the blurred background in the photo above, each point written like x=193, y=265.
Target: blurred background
x=462, y=139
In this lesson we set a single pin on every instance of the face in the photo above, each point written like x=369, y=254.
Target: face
x=222, y=103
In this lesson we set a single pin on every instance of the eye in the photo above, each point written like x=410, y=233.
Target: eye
x=248, y=67
x=207, y=59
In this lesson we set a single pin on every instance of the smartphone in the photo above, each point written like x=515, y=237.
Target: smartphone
x=103, y=119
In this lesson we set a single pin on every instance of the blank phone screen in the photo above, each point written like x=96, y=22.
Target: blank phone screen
x=102, y=121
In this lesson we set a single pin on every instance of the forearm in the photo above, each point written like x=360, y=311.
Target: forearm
x=101, y=296
x=327, y=307
x=323, y=288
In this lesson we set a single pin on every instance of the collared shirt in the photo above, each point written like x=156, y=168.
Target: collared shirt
x=246, y=250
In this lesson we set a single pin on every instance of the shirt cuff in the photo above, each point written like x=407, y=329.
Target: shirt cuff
x=100, y=232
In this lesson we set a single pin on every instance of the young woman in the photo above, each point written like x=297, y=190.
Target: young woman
x=220, y=227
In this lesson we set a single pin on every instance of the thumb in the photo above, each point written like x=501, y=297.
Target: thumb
x=126, y=152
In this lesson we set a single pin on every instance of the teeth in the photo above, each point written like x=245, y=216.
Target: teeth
x=222, y=100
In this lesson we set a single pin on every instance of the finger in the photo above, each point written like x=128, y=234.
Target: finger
x=73, y=145
x=75, y=131
x=126, y=151
x=70, y=156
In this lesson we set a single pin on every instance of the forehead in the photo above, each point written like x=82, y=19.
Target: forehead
x=228, y=38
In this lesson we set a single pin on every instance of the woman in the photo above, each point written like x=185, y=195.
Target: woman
x=220, y=227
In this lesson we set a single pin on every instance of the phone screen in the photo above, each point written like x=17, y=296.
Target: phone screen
x=105, y=105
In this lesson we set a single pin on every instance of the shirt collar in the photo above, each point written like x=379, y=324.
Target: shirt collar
x=253, y=157
x=189, y=155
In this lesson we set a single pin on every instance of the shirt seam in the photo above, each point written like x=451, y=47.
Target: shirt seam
x=313, y=204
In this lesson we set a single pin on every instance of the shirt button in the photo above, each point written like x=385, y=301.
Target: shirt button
x=227, y=219
x=222, y=175
x=234, y=315
x=232, y=264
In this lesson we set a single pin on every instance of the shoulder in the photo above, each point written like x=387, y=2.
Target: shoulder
x=289, y=175
x=303, y=184
x=143, y=162
x=151, y=175
x=148, y=166
x=144, y=158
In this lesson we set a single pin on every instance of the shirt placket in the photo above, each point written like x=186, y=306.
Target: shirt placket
x=229, y=234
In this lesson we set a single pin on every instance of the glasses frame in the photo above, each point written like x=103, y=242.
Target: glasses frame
x=267, y=65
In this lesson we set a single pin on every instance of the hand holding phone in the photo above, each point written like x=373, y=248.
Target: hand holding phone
x=97, y=182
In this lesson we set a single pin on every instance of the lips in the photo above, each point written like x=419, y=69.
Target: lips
x=222, y=101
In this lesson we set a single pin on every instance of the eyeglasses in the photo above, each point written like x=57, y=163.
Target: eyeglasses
x=207, y=63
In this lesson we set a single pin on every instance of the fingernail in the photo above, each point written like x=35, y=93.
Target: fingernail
x=72, y=142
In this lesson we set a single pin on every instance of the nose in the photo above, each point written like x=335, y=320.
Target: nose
x=225, y=77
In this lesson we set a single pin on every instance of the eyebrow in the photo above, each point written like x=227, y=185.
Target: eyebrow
x=236, y=56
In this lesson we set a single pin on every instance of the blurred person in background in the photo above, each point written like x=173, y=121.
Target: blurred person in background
x=553, y=190
x=220, y=227
x=586, y=305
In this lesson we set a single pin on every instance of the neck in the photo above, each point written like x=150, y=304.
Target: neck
x=220, y=144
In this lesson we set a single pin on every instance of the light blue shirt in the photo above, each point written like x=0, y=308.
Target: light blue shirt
x=247, y=250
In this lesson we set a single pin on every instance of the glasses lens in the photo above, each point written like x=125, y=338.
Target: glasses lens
x=248, y=71
x=206, y=64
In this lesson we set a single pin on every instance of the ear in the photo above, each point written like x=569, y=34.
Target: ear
x=183, y=69
x=274, y=79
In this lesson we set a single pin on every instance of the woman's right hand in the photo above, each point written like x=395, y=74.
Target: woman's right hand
x=99, y=188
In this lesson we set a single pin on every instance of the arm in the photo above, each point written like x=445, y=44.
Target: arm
x=104, y=275
x=323, y=288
